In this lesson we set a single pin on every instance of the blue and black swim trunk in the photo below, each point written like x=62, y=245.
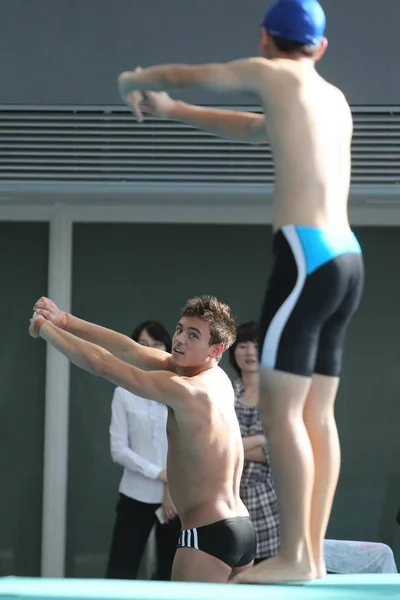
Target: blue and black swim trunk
x=314, y=290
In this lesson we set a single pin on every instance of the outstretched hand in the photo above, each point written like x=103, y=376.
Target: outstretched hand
x=132, y=99
x=48, y=309
x=35, y=324
x=156, y=104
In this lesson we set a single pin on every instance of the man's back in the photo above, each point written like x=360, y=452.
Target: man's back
x=310, y=129
x=317, y=278
x=205, y=453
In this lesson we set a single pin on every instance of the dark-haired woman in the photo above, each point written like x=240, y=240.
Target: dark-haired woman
x=138, y=442
x=257, y=487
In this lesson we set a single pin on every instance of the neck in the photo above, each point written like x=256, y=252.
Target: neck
x=250, y=380
x=300, y=58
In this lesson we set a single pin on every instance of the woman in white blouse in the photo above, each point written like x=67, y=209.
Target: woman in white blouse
x=138, y=442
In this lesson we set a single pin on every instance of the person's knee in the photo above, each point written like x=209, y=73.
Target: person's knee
x=319, y=406
x=322, y=420
x=277, y=422
x=282, y=409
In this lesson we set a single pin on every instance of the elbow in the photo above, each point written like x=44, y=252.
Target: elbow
x=257, y=133
x=116, y=456
x=98, y=362
x=117, y=453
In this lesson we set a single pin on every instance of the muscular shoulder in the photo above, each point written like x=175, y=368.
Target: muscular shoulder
x=225, y=380
x=262, y=70
x=275, y=78
x=336, y=93
x=252, y=73
x=343, y=102
x=339, y=106
x=211, y=385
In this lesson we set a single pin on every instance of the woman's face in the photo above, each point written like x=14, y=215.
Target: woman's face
x=145, y=339
x=246, y=356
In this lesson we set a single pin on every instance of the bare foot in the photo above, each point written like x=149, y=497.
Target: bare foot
x=320, y=566
x=320, y=571
x=277, y=570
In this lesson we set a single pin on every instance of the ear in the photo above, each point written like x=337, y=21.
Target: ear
x=216, y=350
x=322, y=49
x=265, y=40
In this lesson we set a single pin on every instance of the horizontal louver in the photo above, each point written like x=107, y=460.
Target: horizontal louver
x=95, y=145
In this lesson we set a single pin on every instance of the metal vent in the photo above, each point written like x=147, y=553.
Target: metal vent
x=86, y=145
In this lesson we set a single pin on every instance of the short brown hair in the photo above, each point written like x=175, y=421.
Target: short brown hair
x=292, y=47
x=217, y=314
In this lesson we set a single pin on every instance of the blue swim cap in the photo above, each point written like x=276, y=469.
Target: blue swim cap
x=301, y=21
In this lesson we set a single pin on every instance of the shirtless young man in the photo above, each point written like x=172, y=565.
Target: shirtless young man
x=317, y=279
x=205, y=450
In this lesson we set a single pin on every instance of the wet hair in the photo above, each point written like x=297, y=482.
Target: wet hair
x=217, y=314
x=155, y=330
x=246, y=332
x=291, y=47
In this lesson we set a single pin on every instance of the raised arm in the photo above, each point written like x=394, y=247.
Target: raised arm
x=162, y=386
x=121, y=346
x=230, y=124
x=237, y=75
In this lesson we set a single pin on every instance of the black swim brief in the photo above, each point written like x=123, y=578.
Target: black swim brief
x=233, y=541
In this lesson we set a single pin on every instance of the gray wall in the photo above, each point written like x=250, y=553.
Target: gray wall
x=147, y=271
x=23, y=277
x=70, y=51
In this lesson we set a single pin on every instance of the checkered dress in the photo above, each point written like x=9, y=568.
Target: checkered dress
x=257, y=487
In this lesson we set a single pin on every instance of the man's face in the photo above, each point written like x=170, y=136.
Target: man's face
x=191, y=343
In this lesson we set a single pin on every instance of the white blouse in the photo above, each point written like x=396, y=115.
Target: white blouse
x=138, y=442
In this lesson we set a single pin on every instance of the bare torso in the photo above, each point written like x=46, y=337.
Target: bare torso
x=310, y=128
x=205, y=453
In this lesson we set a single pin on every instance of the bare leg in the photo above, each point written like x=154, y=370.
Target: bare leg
x=282, y=400
x=195, y=565
x=319, y=419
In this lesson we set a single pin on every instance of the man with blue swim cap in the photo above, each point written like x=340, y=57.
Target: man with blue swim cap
x=301, y=21
x=317, y=278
